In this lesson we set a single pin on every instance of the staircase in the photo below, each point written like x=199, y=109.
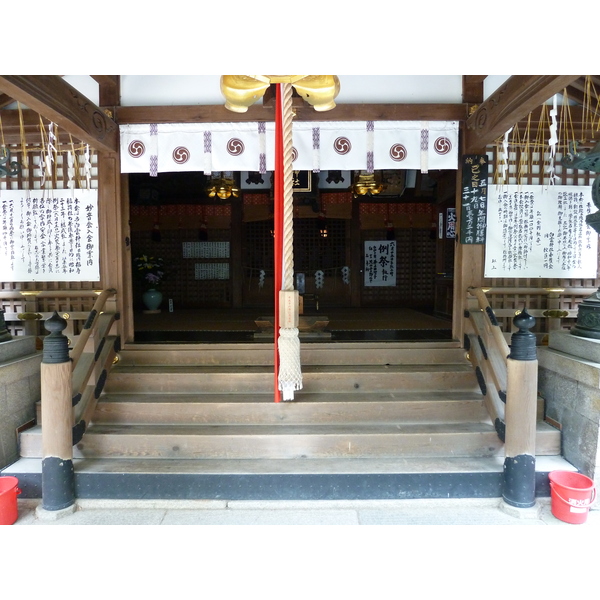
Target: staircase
x=399, y=420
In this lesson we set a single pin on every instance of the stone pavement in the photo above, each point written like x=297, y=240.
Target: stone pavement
x=488, y=511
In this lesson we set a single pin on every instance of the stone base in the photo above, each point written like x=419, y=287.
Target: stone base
x=54, y=515
x=581, y=347
x=521, y=513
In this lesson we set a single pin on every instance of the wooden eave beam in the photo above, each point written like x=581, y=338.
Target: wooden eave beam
x=56, y=100
x=342, y=112
x=510, y=103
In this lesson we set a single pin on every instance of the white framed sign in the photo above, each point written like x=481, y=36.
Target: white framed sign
x=540, y=231
x=49, y=235
x=380, y=263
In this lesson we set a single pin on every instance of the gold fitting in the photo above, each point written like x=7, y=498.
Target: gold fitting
x=555, y=290
x=66, y=316
x=29, y=316
x=555, y=314
x=31, y=293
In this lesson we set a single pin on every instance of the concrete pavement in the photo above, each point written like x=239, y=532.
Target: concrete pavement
x=488, y=511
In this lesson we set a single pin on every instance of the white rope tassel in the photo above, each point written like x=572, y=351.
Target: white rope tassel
x=290, y=375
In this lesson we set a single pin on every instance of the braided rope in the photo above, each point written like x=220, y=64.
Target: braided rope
x=287, y=280
x=290, y=372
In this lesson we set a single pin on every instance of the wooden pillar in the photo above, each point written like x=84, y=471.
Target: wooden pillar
x=58, y=478
x=521, y=416
x=113, y=249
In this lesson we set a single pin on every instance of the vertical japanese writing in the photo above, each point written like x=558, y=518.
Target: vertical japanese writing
x=380, y=263
x=49, y=237
x=473, y=220
x=540, y=232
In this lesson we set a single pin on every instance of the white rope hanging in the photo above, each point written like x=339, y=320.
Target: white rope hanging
x=552, y=143
x=290, y=374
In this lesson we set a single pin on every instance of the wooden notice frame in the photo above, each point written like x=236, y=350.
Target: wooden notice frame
x=473, y=214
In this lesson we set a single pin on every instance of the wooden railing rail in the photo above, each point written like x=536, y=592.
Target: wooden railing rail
x=31, y=311
x=90, y=324
x=553, y=312
x=507, y=376
x=71, y=387
x=488, y=353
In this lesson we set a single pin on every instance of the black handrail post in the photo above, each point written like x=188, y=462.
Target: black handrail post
x=58, y=478
x=521, y=415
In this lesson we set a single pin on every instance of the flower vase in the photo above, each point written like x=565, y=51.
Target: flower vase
x=152, y=299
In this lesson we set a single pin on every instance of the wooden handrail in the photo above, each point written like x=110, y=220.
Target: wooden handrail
x=539, y=291
x=48, y=293
x=90, y=323
x=493, y=327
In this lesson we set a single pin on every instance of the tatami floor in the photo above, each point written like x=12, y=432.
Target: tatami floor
x=336, y=324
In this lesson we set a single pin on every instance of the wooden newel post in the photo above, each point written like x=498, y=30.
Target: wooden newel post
x=58, y=489
x=521, y=415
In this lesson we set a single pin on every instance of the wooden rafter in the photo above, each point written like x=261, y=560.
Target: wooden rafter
x=513, y=101
x=61, y=103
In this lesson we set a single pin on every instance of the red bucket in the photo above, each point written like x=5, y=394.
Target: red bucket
x=8, y=500
x=571, y=495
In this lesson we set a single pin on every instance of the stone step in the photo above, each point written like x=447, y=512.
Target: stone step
x=256, y=379
x=278, y=479
x=261, y=354
x=315, y=408
x=292, y=441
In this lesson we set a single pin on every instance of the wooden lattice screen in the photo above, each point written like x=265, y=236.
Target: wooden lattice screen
x=312, y=253
x=415, y=270
x=181, y=283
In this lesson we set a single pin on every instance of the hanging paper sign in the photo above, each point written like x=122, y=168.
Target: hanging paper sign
x=380, y=263
x=473, y=199
x=537, y=231
x=49, y=235
x=451, y=223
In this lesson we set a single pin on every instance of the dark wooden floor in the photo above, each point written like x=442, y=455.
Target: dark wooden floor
x=344, y=324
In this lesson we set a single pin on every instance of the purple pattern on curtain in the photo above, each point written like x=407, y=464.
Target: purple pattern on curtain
x=316, y=139
x=370, y=147
x=262, y=142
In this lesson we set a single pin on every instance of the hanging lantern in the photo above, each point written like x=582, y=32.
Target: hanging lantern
x=322, y=222
x=390, y=232
x=203, y=231
x=222, y=187
x=367, y=184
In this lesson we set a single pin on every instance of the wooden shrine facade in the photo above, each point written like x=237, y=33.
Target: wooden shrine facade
x=79, y=121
